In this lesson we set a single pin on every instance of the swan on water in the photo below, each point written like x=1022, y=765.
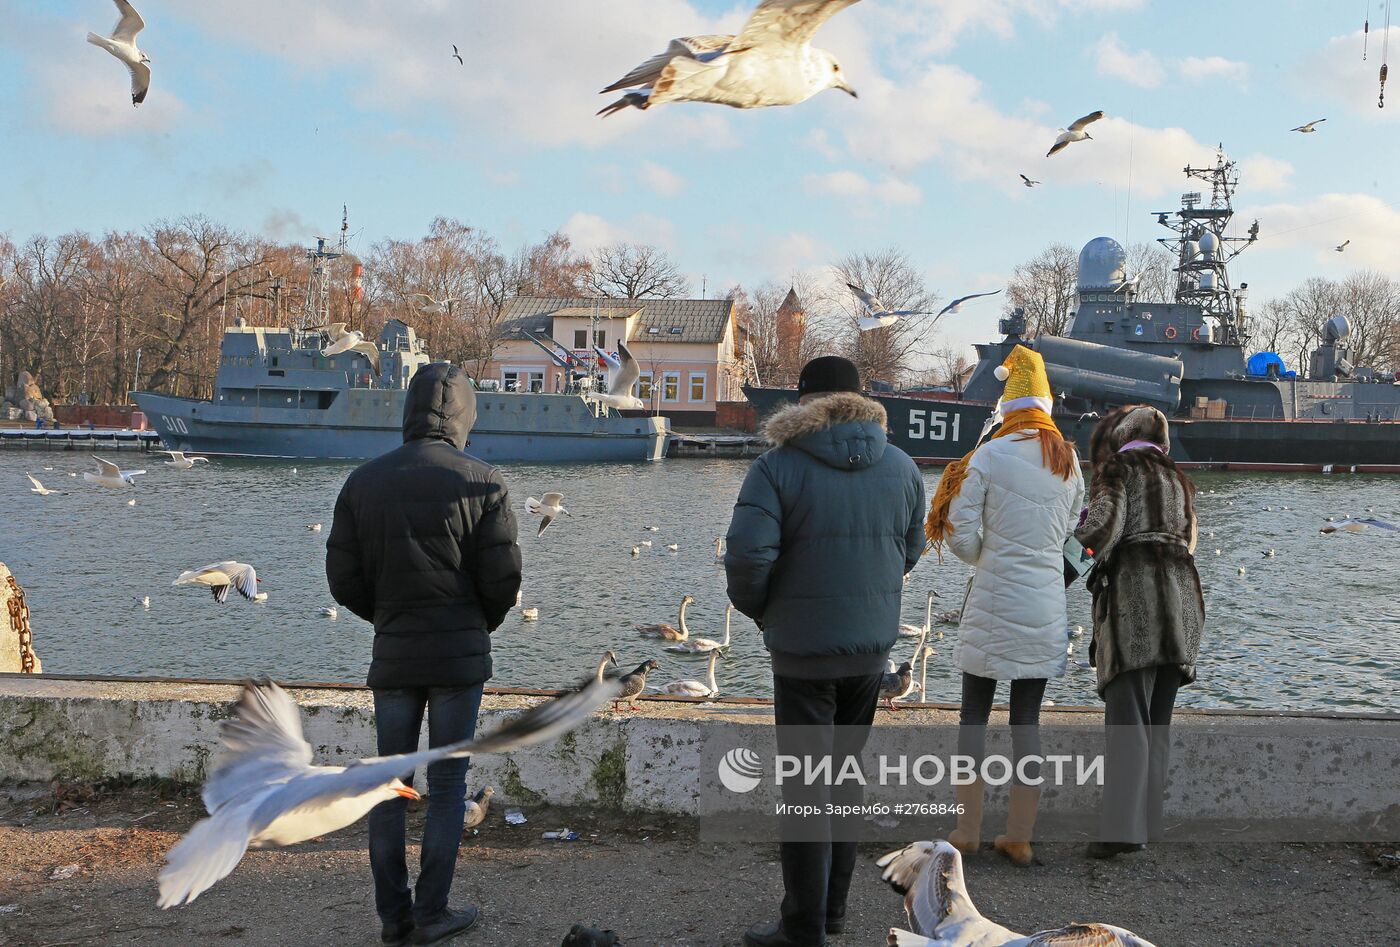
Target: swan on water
x=666, y=632
x=706, y=688
x=916, y=631
x=706, y=645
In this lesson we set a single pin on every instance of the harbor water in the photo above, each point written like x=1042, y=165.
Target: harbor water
x=1311, y=628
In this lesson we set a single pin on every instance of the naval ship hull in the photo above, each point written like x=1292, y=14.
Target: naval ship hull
x=364, y=423
x=936, y=431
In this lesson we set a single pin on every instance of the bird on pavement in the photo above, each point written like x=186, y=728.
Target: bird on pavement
x=222, y=576
x=930, y=877
x=633, y=683
x=264, y=790
x=110, y=475
x=122, y=44
x=477, y=806
x=548, y=509
x=770, y=62
x=1074, y=133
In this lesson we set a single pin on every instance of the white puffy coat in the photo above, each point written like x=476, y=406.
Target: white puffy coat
x=1010, y=520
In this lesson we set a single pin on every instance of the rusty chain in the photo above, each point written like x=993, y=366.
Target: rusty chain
x=19, y=619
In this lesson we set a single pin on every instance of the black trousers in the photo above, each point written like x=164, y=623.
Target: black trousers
x=1137, y=721
x=817, y=874
x=1026, y=696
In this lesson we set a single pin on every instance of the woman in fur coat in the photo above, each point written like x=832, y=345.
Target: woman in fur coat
x=1148, y=613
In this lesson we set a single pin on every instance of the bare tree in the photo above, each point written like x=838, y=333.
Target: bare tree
x=635, y=271
x=1370, y=300
x=883, y=354
x=951, y=368
x=1045, y=286
x=1312, y=303
x=1155, y=269
x=1271, y=327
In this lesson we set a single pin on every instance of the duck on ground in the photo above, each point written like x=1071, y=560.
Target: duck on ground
x=633, y=683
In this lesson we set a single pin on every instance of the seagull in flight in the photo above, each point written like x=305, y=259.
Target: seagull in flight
x=1343, y=245
x=221, y=576
x=1356, y=524
x=39, y=488
x=436, y=307
x=619, y=395
x=1129, y=284
x=1309, y=128
x=180, y=462
x=770, y=62
x=936, y=902
x=110, y=475
x=548, y=509
x=122, y=44
x=1075, y=132
x=264, y=790
x=456, y=55
x=1028, y=182
x=956, y=304
x=877, y=314
x=343, y=340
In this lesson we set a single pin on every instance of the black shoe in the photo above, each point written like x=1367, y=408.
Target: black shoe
x=835, y=923
x=448, y=924
x=1110, y=849
x=768, y=934
x=396, y=932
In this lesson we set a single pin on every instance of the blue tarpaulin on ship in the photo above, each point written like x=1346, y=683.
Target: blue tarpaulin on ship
x=1260, y=362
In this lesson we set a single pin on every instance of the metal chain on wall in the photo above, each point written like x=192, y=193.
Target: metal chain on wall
x=19, y=620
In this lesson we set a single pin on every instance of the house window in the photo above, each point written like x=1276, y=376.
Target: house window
x=644, y=386
x=515, y=380
x=581, y=338
x=671, y=386
x=697, y=386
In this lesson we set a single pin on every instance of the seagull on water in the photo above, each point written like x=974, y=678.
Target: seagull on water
x=110, y=475
x=770, y=62
x=264, y=790
x=180, y=462
x=877, y=314
x=436, y=307
x=956, y=304
x=456, y=55
x=340, y=340
x=1356, y=524
x=1028, y=182
x=930, y=877
x=1075, y=132
x=1343, y=245
x=122, y=44
x=39, y=488
x=1310, y=127
x=547, y=509
x=330, y=612
x=619, y=395
x=314, y=527
x=221, y=576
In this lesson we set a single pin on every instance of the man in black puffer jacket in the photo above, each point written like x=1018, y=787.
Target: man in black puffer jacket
x=827, y=524
x=424, y=546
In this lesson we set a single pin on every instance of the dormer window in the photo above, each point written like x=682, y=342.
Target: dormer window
x=653, y=330
x=675, y=330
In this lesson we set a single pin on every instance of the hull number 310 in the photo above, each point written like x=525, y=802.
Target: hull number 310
x=933, y=425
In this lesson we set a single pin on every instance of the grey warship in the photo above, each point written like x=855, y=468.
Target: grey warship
x=283, y=393
x=1186, y=358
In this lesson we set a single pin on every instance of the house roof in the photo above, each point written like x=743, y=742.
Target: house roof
x=674, y=320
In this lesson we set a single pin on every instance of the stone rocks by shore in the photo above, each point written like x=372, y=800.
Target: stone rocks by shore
x=24, y=401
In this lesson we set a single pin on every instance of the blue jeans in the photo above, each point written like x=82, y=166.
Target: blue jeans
x=398, y=716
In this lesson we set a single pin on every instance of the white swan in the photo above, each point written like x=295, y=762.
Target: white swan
x=706, y=688
x=666, y=632
x=915, y=631
x=930, y=876
x=706, y=645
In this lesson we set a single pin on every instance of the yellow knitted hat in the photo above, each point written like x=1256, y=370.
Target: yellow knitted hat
x=1027, y=385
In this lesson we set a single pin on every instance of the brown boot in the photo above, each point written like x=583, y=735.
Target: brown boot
x=968, y=835
x=1020, y=823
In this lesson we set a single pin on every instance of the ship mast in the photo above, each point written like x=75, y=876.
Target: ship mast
x=316, y=310
x=1203, y=248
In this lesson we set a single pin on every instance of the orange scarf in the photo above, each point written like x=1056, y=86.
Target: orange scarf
x=937, y=527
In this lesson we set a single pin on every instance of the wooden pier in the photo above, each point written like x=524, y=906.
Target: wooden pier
x=78, y=439
x=716, y=445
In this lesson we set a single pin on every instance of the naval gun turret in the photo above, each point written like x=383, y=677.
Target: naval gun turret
x=1331, y=360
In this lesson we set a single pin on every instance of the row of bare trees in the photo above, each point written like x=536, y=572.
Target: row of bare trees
x=1292, y=324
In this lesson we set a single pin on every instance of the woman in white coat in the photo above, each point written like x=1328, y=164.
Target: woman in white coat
x=1007, y=509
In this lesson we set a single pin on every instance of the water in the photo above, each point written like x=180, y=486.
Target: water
x=1312, y=628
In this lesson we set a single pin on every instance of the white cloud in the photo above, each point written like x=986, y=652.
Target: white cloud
x=1316, y=226
x=1203, y=68
x=891, y=190
x=1141, y=68
x=661, y=180
x=1262, y=173
x=1337, y=74
x=83, y=99
x=588, y=232
x=939, y=24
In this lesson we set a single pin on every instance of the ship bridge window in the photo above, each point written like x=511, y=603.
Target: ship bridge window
x=277, y=372
x=520, y=380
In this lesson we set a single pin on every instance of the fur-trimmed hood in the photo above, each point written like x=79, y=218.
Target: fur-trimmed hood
x=1137, y=422
x=843, y=430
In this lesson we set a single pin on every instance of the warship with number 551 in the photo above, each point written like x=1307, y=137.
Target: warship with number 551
x=317, y=390
x=1187, y=358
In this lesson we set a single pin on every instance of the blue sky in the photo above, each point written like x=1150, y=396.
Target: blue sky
x=271, y=114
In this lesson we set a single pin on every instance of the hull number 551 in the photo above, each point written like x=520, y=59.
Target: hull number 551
x=932, y=425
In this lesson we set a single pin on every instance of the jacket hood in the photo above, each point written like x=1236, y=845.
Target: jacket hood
x=441, y=405
x=845, y=431
x=1137, y=422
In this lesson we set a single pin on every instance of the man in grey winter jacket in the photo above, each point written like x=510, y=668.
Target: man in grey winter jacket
x=827, y=524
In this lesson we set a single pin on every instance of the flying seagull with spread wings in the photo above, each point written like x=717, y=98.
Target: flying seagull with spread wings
x=1343, y=245
x=877, y=314
x=457, y=56
x=222, y=576
x=619, y=395
x=110, y=475
x=342, y=340
x=264, y=790
x=1357, y=524
x=122, y=44
x=1310, y=127
x=1028, y=182
x=1075, y=132
x=548, y=509
x=956, y=304
x=770, y=62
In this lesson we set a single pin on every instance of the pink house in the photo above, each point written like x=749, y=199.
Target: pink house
x=687, y=348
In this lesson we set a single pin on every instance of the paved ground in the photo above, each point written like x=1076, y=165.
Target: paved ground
x=648, y=879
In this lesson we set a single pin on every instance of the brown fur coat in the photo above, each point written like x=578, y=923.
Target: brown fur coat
x=1141, y=526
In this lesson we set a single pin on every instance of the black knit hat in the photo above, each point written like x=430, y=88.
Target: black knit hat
x=828, y=374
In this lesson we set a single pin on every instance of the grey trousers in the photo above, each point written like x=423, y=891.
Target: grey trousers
x=1137, y=718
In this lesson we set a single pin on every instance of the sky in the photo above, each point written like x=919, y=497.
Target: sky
x=269, y=115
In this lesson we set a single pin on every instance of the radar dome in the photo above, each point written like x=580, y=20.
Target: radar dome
x=1102, y=265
